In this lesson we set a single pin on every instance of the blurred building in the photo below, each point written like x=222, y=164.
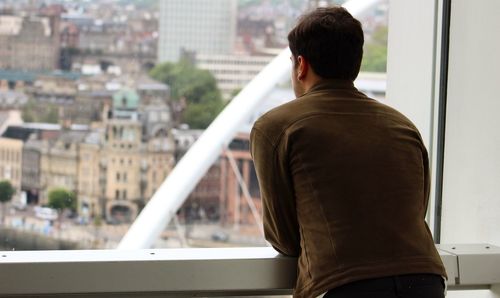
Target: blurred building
x=34, y=136
x=41, y=131
x=9, y=117
x=55, y=89
x=219, y=196
x=235, y=208
x=232, y=72
x=201, y=26
x=29, y=42
x=91, y=189
x=152, y=91
x=124, y=162
x=31, y=171
x=15, y=80
x=59, y=163
x=12, y=100
x=11, y=161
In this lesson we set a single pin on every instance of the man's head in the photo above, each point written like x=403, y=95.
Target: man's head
x=327, y=43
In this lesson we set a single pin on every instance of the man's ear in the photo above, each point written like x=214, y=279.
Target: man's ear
x=302, y=67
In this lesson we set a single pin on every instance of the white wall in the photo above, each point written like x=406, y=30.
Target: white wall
x=471, y=197
x=471, y=194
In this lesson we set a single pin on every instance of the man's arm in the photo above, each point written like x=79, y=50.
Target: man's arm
x=281, y=227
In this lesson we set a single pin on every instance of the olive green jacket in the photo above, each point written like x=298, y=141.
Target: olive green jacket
x=344, y=182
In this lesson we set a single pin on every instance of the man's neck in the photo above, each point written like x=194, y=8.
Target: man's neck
x=311, y=82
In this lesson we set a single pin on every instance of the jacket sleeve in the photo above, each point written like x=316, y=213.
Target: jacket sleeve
x=281, y=227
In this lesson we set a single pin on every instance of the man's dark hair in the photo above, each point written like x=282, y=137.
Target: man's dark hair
x=331, y=40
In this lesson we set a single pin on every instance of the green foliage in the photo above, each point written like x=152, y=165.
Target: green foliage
x=28, y=112
x=6, y=191
x=185, y=80
x=235, y=92
x=200, y=115
x=40, y=112
x=375, y=52
x=198, y=87
x=52, y=115
x=60, y=199
x=97, y=222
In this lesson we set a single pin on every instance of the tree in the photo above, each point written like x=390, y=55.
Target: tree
x=34, y=111
x=97, y=223
x=52, y=115
x=375, y=52
x=200, y=115
x=61, y=199
x=6, y=193
x=235, y=92
x=196, y=86
x=28, y=111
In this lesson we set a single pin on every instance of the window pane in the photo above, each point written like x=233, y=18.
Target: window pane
x=100, y=99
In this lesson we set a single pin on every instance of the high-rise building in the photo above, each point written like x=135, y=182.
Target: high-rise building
x=29, y=43
x=201, y=26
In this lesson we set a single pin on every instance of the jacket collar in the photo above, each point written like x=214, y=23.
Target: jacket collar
x=331, y=84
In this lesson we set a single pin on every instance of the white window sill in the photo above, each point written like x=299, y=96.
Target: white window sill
x=195, y=272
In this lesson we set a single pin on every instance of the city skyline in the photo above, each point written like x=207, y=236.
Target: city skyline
x=97, y=125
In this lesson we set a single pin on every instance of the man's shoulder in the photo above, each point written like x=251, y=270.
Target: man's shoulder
x=396, y=115
x=275, y=121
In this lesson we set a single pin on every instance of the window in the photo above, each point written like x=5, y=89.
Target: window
x=470, y=169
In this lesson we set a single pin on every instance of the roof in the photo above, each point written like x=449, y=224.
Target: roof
x=41, y=126
x=93, y=137
x=23, y=131
x=3, y=117
x=147, y=83
x=12, y=25
x=153, y=86
x=12, y=97
x=126, y=99
x=18, y=75
x=72, y=136
x=18, y=133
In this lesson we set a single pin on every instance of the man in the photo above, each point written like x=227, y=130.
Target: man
x=344, y=179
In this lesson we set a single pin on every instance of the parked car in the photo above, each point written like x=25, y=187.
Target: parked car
x=220, y=236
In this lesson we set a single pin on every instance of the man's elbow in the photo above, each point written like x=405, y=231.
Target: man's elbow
x=287, y=251
x=284, y=247
x=282, y=242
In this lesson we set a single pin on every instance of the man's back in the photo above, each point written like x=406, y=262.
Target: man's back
x=346, y=188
